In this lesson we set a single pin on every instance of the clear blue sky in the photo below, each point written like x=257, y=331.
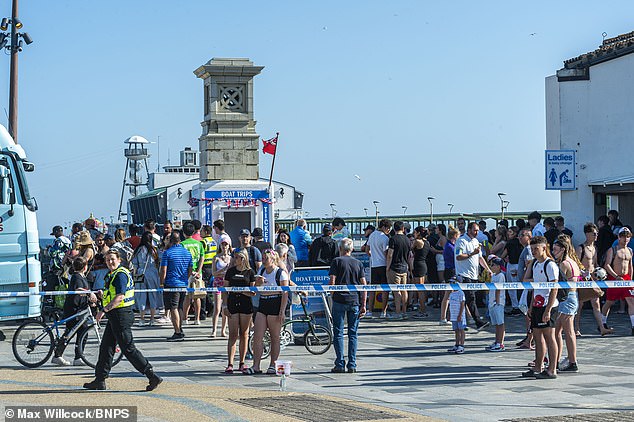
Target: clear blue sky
x=442, y=99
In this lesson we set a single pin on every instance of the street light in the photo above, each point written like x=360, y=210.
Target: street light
x=13, y=45
x=450, y=207
x=376, y=208
x=431, y=209
x=332, y=210
x=404, y=209
x=500, y=195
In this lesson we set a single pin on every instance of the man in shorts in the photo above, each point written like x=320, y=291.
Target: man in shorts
x=176, y=267
x=378, y=243
x=397, y=266
x=618, y=264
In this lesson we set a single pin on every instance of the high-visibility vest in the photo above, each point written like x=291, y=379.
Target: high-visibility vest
x=211, y=249
x=110, y=291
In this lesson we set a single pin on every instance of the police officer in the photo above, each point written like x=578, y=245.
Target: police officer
x=118, y=298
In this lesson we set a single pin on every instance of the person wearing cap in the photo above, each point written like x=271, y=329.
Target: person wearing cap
x=367, y=231
x=254, y=254
x=258, y=240
x=618, y=264
x=61, y=246
x=300, y=238
x=497, y=301
x=324, y=249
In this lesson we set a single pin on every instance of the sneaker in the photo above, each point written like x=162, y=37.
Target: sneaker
x=78, y=362
x=452, y=349
x=459, y=350
x=60, y=361
x=571, y=367
x=95, y=385
x=544, y=375
x=177, y=337
x=495, y=347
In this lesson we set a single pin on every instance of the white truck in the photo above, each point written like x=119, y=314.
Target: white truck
x=20, y=268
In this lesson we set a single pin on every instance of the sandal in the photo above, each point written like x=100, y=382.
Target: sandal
x=229, y=369
x=251, y=371
x=271, y=371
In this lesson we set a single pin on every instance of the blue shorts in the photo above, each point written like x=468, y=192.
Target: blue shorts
x=496, y=313
x=570, y=305
x=458, y=325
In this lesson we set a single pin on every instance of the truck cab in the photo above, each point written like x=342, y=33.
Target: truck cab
x=20, y=269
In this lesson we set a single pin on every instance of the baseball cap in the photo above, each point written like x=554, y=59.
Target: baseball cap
x=369, y=227
x=245, y=232
x=625, y=230
x=257, y=232
x=56, y=229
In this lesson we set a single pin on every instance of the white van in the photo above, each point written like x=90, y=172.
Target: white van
x=20, y=269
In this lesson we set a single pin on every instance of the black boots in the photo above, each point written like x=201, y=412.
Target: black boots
x=155, y=380
x=95, y=385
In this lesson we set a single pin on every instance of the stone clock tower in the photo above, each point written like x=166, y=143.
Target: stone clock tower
x=228, y=144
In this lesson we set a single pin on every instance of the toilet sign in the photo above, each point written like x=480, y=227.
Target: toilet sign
x=560, y=169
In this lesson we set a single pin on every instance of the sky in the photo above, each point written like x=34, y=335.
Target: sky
x=416, y=98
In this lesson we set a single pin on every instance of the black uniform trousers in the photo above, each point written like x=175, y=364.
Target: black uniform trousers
x=119, y=331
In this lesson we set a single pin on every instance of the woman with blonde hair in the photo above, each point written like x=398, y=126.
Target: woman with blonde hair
x=570, y=270
x=237, y=307
x=271, y=310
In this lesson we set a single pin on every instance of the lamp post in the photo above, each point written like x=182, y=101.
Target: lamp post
x=404, y=209
x=431, y=209
x=376, y=208
x=14, y=47
x=450, y=207
x=332, y=210
x=500, y=195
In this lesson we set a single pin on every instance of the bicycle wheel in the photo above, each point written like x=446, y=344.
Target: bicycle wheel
x=90, y=343
x=33, y=344
x=317, y=340
x=266, y=344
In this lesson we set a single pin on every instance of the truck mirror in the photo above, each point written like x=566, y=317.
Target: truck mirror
x=6, y=186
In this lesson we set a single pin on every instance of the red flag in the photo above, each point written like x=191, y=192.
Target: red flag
x=270, y=145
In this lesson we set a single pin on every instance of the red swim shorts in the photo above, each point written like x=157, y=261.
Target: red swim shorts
x=619, y=293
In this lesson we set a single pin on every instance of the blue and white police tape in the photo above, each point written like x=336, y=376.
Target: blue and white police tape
x=371, y=288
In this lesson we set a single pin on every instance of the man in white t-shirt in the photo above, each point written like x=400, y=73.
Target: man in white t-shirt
x=468, y=258
x=378, y=243
x=541, y=311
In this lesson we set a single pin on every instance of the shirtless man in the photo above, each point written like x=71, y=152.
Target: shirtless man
x=618, y=264
x=587, y=253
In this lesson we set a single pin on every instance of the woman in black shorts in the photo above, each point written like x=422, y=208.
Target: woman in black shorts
x=271, y=310
x=421, y=249
x=238, y=308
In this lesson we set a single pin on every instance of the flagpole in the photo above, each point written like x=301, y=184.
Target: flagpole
x=277, y=134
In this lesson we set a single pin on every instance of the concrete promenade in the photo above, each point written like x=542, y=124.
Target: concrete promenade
x=404, y=373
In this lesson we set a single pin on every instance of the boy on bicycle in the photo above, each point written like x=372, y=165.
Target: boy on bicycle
x=74, y=304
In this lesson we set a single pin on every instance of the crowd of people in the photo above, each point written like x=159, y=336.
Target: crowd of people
x=203, y=256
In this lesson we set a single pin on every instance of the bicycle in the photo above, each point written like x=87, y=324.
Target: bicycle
x=34, y=341
x=317, y=339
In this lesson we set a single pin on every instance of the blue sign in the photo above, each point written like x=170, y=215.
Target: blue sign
x=316, y=304
x=560, y=169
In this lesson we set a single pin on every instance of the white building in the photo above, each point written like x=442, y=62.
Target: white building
x=590, y=110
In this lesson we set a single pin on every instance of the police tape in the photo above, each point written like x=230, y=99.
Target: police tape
x=317, y=288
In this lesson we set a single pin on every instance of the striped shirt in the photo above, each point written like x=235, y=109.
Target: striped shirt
x=177, y=260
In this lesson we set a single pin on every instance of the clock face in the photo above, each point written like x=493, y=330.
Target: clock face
x=232, y=98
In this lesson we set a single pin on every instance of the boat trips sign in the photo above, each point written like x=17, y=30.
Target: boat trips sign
x=560, y=169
